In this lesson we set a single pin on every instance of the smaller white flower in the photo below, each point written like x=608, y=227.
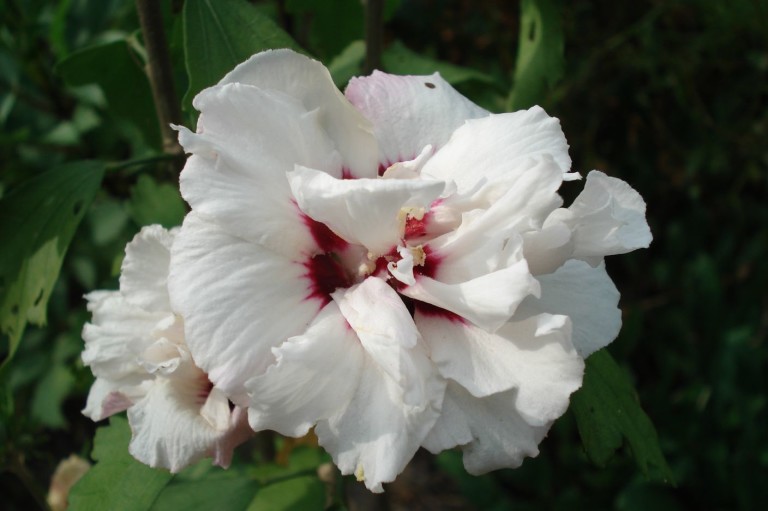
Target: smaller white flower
x=135, y=348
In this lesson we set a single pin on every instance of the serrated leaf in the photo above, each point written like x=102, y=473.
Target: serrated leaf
x=37, y=222
x=608, y=413
x=220, y=34
x=117, y=482
x=398, y=59
x=540, y=63
x=115, y=67
x=156, y=203
x=219, y=491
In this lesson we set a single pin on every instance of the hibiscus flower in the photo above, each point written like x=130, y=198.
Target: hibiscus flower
x=135, y=347
x=392, y=266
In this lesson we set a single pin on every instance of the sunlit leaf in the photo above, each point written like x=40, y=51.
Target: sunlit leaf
x=37, y=221
x=117, y=482
x=347, y=64
x=608, y=414
x=540, y=63
x=219, y=34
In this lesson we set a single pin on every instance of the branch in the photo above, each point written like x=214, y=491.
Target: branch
x=374, y=34
x=160, y=74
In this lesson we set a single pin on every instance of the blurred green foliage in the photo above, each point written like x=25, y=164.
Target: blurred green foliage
x=670, y=95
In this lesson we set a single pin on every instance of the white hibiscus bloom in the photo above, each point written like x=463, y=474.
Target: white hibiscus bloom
x=392, y=267
x=135, y=348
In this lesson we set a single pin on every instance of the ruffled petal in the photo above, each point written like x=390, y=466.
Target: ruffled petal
x=238, y=300
x=315, y=376
x=309, y=82
x=144, y=273
x=246, y=142
x=364, y=211
x=585, y=294
x=499, y=147
x=410, y=112
x=108, y=397
x=117, y=334
x=398, y=396
x=493, y=435
x=168, y=429
x=534, y=356
x=608, y=218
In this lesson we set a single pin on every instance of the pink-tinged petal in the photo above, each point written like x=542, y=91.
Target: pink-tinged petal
x=168, y=429
x=247, y=140
x=238, y=432
x=410, y=112
x=117, y=334
x=238, y=300
x=362, y=211
x=608, y=218
x=534, y=356
x=315, y=376
x=585, y=294
x=377, y=433
x=491, y=432
x=499, y=147
x=144, y=273
x=108, y=397
x=309, y=82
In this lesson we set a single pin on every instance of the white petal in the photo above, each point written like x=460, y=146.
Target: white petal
x=108, y=397
x=588, y=296
x=168, y=429
x=499, y=147
x=534, y=356
x=309, y=82
x=364, y=211
x=117, y=334
x=376, y=435
x=238, y=300
x=492, y=433
x=248, y=139
x=548, y=248
x=399, y=393
x=386, y=331
x=608, y=218
x=410, y=112
x=315, y=376
x=144, y=274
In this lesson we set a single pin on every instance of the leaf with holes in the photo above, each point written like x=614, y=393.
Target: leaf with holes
x=540, y=63
x=607, y=412
x=37, y=221
x=220, y=34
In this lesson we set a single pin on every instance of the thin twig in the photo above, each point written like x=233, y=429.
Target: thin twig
x=160, y=73
x=374, y=34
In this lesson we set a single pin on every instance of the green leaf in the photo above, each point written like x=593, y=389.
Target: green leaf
x=218, y=490
x=220, y=34
x=37, y=222
x=398, y=59
x=117, y=482
x=348, y=63
x=153, y=203
x=116, y=68
x=608, y=412
x=540, y=63
x=305, y=492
